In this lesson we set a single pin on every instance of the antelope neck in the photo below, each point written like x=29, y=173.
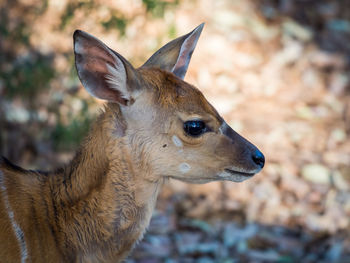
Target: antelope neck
x=104, y=177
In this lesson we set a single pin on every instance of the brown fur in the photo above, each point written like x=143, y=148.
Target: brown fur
x=98, y=206
x=94, y=207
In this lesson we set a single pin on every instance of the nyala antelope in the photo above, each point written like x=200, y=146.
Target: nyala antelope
x=154, y=126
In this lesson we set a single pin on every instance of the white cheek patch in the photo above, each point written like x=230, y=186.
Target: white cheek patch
x=184, y=168
x=233, y=177
x=177, y=141
x=240, y=178
x=224, y=174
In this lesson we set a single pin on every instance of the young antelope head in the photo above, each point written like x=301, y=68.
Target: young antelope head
x=169, y=128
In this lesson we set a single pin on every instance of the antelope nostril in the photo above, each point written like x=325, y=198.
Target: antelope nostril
x=259, y=158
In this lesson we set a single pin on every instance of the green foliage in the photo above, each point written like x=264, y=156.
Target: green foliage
x=68, y=137
x=23, y=75
x=172, y=31
x=116, y=21
x=157, y=7
x=71, y=8
x=27, y=76
x=18, y=34
x=16, y=29
x=286, y=259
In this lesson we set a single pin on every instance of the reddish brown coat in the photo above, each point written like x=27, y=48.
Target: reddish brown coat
x=98, y=206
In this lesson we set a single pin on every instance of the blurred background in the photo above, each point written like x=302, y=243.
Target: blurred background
x=277, y=70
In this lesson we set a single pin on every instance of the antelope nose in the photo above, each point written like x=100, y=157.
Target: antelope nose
x=259, y=158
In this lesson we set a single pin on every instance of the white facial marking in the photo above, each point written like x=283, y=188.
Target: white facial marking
x=233, y=177
x=17, y=229
x=184, y=167
x=224, y=174
x=177, y=141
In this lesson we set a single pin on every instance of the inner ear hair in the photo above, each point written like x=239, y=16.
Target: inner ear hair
x=104, y=73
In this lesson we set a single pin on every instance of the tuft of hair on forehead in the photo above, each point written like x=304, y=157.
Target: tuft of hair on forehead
x=172, y=92
x=162, y=84
x=169, y=89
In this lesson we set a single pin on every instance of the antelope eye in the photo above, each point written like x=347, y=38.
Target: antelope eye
x=195, y=127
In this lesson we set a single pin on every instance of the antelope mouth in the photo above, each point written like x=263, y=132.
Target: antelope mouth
x=233, y=172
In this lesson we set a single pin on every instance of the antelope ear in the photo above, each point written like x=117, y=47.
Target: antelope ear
x=104, y=73
x=176, y=55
